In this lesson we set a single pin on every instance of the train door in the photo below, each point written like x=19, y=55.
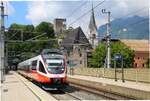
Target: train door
x=41, y=68
x=42, y=73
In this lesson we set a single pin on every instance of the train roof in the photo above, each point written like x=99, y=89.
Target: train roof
x=51, y=51
x=46, y=53
x=31, y=59
x=52, y=56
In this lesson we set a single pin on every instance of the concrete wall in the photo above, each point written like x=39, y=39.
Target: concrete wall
x=138, y=75
x=111, y=88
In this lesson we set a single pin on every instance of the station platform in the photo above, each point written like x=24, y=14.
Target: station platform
x=17, y=88
x=128, y=88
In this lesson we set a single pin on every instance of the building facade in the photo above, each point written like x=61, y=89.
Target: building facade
x=76, y=45
x=141, y=51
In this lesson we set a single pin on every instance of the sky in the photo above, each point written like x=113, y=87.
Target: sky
x=34, y=12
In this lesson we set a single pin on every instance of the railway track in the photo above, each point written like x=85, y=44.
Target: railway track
x=73, y=93
x=79, y=92
x=107, y=95
x=62, y=95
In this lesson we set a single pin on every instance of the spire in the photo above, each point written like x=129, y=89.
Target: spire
x=93, y=29
x=92, y=24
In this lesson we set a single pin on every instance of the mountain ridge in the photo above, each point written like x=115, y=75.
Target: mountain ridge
x=135, y=27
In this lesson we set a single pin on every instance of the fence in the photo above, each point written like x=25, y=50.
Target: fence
x=131, y=74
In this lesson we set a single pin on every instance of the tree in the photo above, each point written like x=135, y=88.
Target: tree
x=29, y=28
x=18, y=29
x=45, y=27
x=29, y=32
x=17, y=26
x=98, y=56
x=27, y=49
x=127, y=53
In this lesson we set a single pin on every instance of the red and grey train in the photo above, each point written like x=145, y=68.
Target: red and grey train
x=47, y=68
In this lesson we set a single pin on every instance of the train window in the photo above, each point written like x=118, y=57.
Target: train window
x=34, y=64
x=41, y=67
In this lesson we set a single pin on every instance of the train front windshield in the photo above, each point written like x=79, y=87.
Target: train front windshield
x=55, y=66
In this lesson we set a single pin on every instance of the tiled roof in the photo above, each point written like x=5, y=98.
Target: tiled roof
x=137, y=45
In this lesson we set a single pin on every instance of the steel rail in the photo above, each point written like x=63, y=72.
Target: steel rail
x=109, y=95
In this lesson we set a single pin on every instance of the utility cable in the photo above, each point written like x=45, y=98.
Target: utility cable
x=86, y=13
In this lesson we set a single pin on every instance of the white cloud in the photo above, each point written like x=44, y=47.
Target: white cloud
x=40, y=11
x=122, y=8
x=48, y=10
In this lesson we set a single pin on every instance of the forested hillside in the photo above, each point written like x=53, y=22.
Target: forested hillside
x=26, y=41
x=127, y=28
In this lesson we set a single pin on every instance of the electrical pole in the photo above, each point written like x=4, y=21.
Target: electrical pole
x=2, y=44
x=108, y=55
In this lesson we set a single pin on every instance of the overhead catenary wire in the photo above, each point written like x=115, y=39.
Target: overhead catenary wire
x=76, y=9
x=143, y=20
x=37, y=36
x=121, y=27
x=131, y=24
x=134, y=12
x=131, y=13
x=98, y=5
x=139, y=10
x=86, y=13
x=19, y=30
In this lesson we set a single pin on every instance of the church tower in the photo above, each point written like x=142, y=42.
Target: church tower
x=93, y=34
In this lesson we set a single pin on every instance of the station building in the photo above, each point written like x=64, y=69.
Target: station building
x=141, y=50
